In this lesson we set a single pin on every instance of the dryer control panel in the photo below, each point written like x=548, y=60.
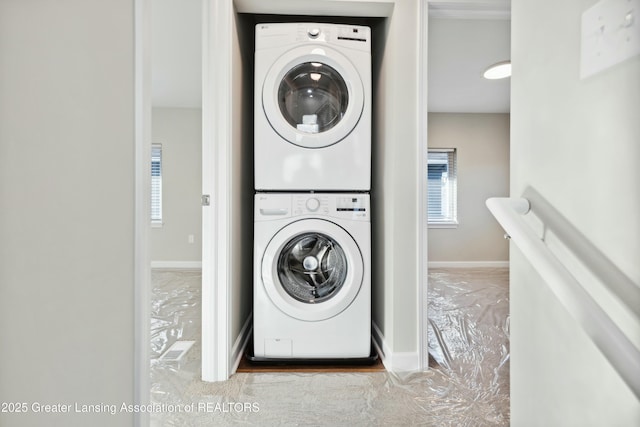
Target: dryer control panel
x=270, y=35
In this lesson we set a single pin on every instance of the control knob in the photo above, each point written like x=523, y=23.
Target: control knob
x=313, y=204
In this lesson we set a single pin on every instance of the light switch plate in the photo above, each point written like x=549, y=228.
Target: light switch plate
x=610, y=34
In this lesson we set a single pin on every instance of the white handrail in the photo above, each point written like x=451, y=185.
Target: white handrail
x=621, y=353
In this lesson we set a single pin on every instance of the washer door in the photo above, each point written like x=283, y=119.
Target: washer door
x=312, y=269
x=313, y=97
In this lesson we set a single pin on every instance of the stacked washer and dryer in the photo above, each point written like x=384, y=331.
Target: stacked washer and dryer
x=312, y=228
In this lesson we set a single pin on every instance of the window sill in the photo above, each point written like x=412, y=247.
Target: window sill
x=443, y=225
x=157, y=224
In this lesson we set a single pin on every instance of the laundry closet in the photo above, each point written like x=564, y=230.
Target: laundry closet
x=398, y=135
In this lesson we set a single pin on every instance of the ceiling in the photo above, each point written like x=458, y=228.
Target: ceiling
x=460, y=50
x=465, y=37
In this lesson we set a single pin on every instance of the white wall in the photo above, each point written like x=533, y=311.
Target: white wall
x=67, y=207
x=482, y=144
x=575, y=142
x=395, y=184
x=179, y=130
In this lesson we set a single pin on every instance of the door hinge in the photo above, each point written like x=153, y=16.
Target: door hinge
x=206, y=200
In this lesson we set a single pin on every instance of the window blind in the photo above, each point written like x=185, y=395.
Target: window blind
x=442, y=186
x=156, y=183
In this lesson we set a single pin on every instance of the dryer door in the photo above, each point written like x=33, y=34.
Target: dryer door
x=313, y=97
x=312, y=269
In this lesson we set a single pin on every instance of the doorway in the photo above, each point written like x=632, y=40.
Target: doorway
x=226, y=308
x=469, y=128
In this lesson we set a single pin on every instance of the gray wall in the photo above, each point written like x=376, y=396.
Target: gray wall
x=179, y=130
x=576, y=143
x=482, y=143
x=67, y=207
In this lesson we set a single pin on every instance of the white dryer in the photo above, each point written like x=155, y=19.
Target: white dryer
x=312, y=107
x=312, y=276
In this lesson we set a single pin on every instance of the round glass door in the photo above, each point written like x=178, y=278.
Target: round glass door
x=313, y=97
x=312, y=267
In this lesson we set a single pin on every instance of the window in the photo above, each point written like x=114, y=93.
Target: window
x=441, y=187
x=156, y=184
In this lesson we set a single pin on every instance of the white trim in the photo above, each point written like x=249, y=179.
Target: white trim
x=221, y=73
x=405, y=362
x=364, y=8
x=142, y=189
x=467, y=14
x=443, y=225
x=216, y=146
x=468, y=264
x=394, y=361
x=465, y=9
x=441, y=150
x=421, y=158
x=240, y=343
x=381, y=346
x=208, y=211
x=177, y=265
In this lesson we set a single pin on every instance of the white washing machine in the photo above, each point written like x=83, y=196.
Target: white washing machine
x=312, y=276
x=312, y=107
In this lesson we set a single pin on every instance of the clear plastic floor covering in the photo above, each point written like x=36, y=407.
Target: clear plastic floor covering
x=467, y=383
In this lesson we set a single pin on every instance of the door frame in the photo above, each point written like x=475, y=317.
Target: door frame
x=217, y=25
x=142, y=215
x=422, y=253
x=216, y=55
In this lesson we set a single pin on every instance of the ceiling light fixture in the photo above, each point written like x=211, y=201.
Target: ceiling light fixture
x=500, y=70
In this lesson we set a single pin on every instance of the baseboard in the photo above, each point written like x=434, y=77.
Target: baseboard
x=394, y=361
x=240, y=344
x=177, y=265
x=468, y=264
x=380, y=344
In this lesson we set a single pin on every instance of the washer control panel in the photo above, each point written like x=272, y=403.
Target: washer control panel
x=310, y=204
x=351, y=204
x=275, y=206
x=348, y=206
